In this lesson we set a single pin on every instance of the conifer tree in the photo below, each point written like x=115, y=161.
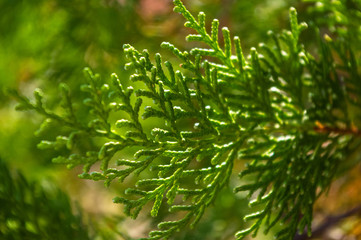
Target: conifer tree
x=289, y=113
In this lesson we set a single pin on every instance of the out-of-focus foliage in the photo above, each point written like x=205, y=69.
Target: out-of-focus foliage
x=41, y=210
x=29, y=210
x=53, y=39
x=48, y=42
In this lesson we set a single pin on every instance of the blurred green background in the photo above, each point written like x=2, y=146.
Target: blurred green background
x=46, y=42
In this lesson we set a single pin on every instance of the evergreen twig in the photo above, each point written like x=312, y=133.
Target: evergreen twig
x=282, y=110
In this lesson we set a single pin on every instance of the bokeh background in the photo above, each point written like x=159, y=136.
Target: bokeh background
x=46, y=42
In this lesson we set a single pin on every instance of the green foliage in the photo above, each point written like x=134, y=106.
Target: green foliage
x=286, y=112
x=32, y=211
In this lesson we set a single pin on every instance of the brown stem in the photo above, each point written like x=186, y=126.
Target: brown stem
x=329, y=222
x=320, y=128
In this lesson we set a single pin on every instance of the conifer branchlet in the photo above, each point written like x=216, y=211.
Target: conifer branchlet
x=283, y=111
